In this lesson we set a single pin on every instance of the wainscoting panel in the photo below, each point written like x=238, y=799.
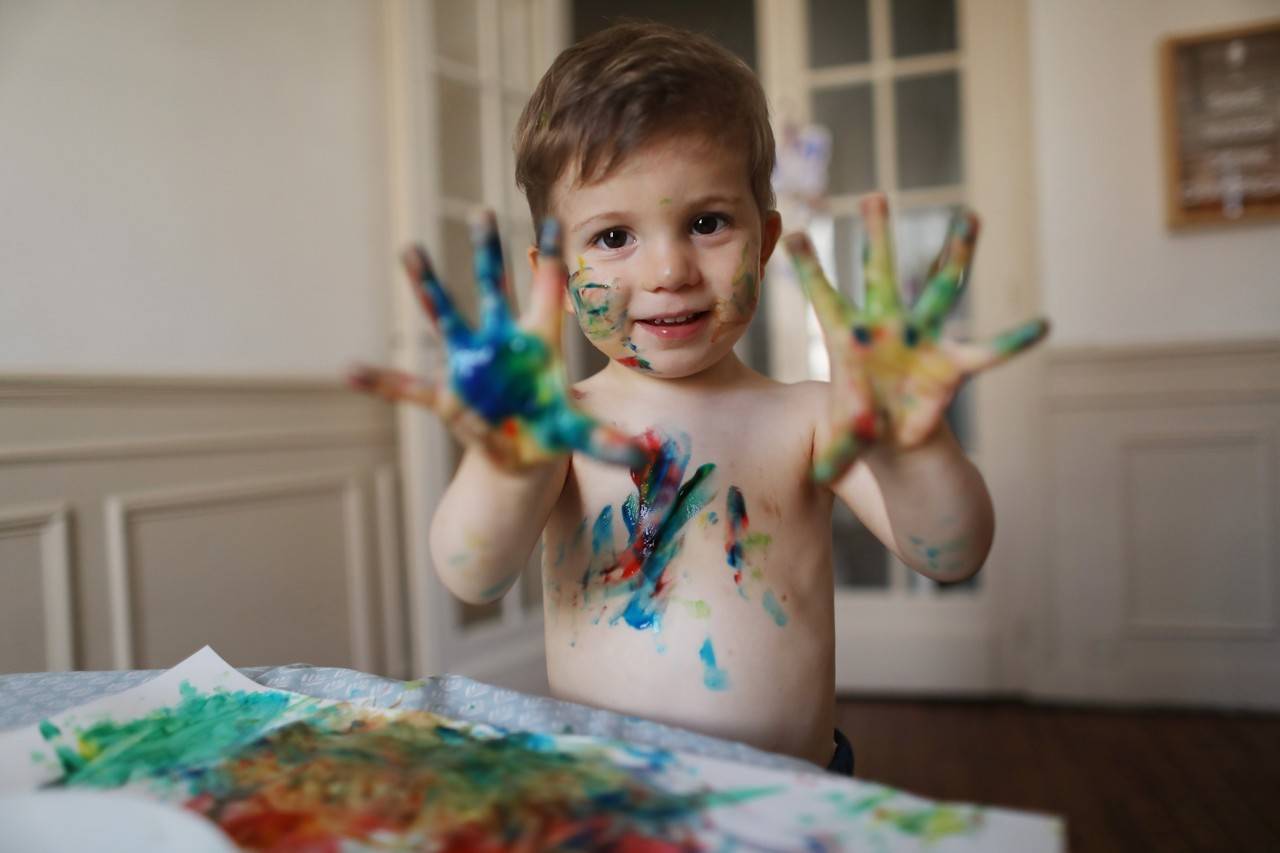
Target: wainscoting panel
x=35, y=590
x=1163, y=579
x=258, y=516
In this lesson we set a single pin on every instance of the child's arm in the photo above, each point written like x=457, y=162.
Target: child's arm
x=927, y=504
x=892, y=378
x=488, y=522
x=506, y=398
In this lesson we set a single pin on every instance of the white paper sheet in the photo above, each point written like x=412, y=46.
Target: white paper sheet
x=185, y=754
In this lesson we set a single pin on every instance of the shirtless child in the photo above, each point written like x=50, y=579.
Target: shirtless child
x=685, y=498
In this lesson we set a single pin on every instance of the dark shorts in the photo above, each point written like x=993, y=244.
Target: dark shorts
x=842, y=758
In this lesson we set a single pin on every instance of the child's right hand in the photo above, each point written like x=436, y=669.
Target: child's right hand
x=506, y=389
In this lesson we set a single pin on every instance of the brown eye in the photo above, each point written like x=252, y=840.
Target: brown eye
x=708, y=223
x=614, y=238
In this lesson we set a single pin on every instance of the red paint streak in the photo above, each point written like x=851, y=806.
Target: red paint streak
x=865, y=426
x=631, y=561
x=577, y=395
x=510, y=427
x=629, y=361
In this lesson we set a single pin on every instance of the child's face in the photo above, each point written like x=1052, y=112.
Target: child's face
x=665, y=255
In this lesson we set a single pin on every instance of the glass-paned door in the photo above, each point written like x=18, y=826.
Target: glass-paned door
x=887, y=79
x=478, y=71
x=884, y=76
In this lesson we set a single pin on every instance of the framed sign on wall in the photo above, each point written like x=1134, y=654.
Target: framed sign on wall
x=1221, y=93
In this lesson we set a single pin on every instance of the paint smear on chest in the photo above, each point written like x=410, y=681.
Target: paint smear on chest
x=655, y=517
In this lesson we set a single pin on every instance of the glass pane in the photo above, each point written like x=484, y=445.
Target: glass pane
x=517, y=237
x=516, y=38
x=923, y=26
x=455, y=266
x=920, y=234
x=838, y=33
x=456, y=31
x=459, y=129
x=859, y=561
x=531, y=596
x=846, y=112
x=471, y=615
x=511, y=109
x=730, y=22
x=847, y=240
x=928, y=124
x=920, y=584
x=960, y=417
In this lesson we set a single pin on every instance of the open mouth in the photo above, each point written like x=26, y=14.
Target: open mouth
x=675, y=326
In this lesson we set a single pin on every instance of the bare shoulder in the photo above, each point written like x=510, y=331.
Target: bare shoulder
x=803, y=400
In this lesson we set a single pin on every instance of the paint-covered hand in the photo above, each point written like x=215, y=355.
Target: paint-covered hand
x=506, y=389
x=892, y=373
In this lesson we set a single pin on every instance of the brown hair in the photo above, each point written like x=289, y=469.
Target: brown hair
x=620, y=89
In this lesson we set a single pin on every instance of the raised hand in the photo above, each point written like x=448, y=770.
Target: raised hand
x=892, y=373
x=506, y=389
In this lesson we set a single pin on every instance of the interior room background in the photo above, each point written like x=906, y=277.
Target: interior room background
x=202, y=203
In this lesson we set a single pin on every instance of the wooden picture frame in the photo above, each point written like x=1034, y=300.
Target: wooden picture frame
x=1221, y=104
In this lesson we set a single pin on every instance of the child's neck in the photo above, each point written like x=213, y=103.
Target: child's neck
x=725, y=373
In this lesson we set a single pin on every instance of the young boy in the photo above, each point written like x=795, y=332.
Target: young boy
x=686, y=499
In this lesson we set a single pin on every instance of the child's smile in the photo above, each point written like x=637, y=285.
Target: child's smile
x=666, y=253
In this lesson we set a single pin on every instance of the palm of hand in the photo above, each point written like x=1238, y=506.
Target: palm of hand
x=506, y=388
x=892, y=373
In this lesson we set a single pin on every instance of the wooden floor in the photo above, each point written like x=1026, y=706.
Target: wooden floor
x=1124, y=780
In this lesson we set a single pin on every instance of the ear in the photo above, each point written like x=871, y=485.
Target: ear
x=770, y=231
x=532, y=254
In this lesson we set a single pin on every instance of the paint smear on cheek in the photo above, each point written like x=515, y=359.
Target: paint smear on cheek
x=739, y=306
x=636, y=361
x=597, y=308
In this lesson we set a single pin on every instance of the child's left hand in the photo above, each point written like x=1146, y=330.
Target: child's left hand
x=892, y=374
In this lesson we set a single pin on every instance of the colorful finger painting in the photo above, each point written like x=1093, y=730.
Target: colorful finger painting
x=506, y=386
x=279, y=771
x=893, y=374
x=655, y=516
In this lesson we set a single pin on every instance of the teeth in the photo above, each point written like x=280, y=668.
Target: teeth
x=672, y=321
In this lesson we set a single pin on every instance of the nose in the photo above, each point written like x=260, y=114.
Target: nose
x=672, y=267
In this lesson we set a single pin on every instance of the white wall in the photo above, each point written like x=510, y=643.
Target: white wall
x=192, y=187
x=1111, y=272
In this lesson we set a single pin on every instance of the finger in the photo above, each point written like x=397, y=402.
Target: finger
x=491, y=277
x=432, y=295
x=393, y=385
x=572, y=429
x=835, y=314
x=877, y=258
x=546, y=298
x=948, y=274
x=973, y=358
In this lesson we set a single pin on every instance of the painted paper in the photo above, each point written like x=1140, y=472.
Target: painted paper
x=280, y=771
